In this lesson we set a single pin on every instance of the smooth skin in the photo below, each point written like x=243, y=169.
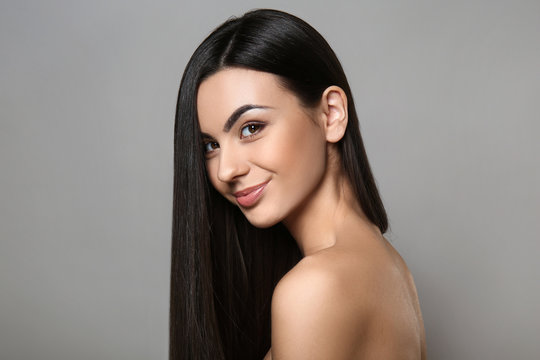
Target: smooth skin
x=351, y=296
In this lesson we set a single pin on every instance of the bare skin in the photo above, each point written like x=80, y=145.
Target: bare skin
x=351, y=296
x=353, y=299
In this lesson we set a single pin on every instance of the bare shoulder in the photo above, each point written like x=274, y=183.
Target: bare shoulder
x=314, y=315
x=347, y=305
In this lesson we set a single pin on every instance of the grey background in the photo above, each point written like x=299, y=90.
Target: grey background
x=448, y=96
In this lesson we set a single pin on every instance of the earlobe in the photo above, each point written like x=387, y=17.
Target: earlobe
x=334, y=103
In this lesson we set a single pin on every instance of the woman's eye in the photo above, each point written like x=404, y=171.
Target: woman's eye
x=210, y=146
x=250, y=129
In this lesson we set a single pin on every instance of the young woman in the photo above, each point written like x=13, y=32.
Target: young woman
x=277, y=245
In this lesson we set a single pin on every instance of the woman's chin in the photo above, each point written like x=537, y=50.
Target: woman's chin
x=261, y=221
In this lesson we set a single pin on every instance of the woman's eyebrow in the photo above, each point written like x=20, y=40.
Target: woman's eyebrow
x=238, y=112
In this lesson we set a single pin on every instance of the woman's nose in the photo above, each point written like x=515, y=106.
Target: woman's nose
x=231, y=165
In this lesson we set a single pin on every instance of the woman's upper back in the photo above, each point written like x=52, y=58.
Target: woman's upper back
x=355, y=300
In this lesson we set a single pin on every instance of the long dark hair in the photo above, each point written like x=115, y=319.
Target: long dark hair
x=223, y=269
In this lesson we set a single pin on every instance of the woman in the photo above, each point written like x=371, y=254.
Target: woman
x=277, y=245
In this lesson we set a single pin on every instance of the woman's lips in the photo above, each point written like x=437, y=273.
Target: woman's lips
x=249, y=196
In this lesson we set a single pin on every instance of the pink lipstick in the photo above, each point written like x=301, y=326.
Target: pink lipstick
x=249, y=196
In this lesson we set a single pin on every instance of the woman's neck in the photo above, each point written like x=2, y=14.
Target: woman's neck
x=317, y=223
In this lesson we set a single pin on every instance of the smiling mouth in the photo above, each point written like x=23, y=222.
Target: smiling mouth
x=248, y=197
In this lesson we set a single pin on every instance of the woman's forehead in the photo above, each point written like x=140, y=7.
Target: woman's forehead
x=238, y=84
x=227, y=90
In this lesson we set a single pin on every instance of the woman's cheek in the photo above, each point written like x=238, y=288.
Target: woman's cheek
x=274, y=152
x=299, y=152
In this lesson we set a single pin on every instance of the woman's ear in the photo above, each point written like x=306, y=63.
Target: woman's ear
x=334, y=112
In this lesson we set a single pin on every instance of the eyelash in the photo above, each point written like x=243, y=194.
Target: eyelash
x=205, y=146
x=259, y=128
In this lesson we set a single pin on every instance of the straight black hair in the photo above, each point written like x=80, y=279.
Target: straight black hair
x=223, y=269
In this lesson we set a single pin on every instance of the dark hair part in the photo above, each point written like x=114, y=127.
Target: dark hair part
x=223, y=269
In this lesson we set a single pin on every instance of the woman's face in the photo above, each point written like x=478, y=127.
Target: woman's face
x=264, y=151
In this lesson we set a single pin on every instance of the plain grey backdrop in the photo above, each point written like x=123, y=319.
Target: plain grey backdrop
x=448, y=94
